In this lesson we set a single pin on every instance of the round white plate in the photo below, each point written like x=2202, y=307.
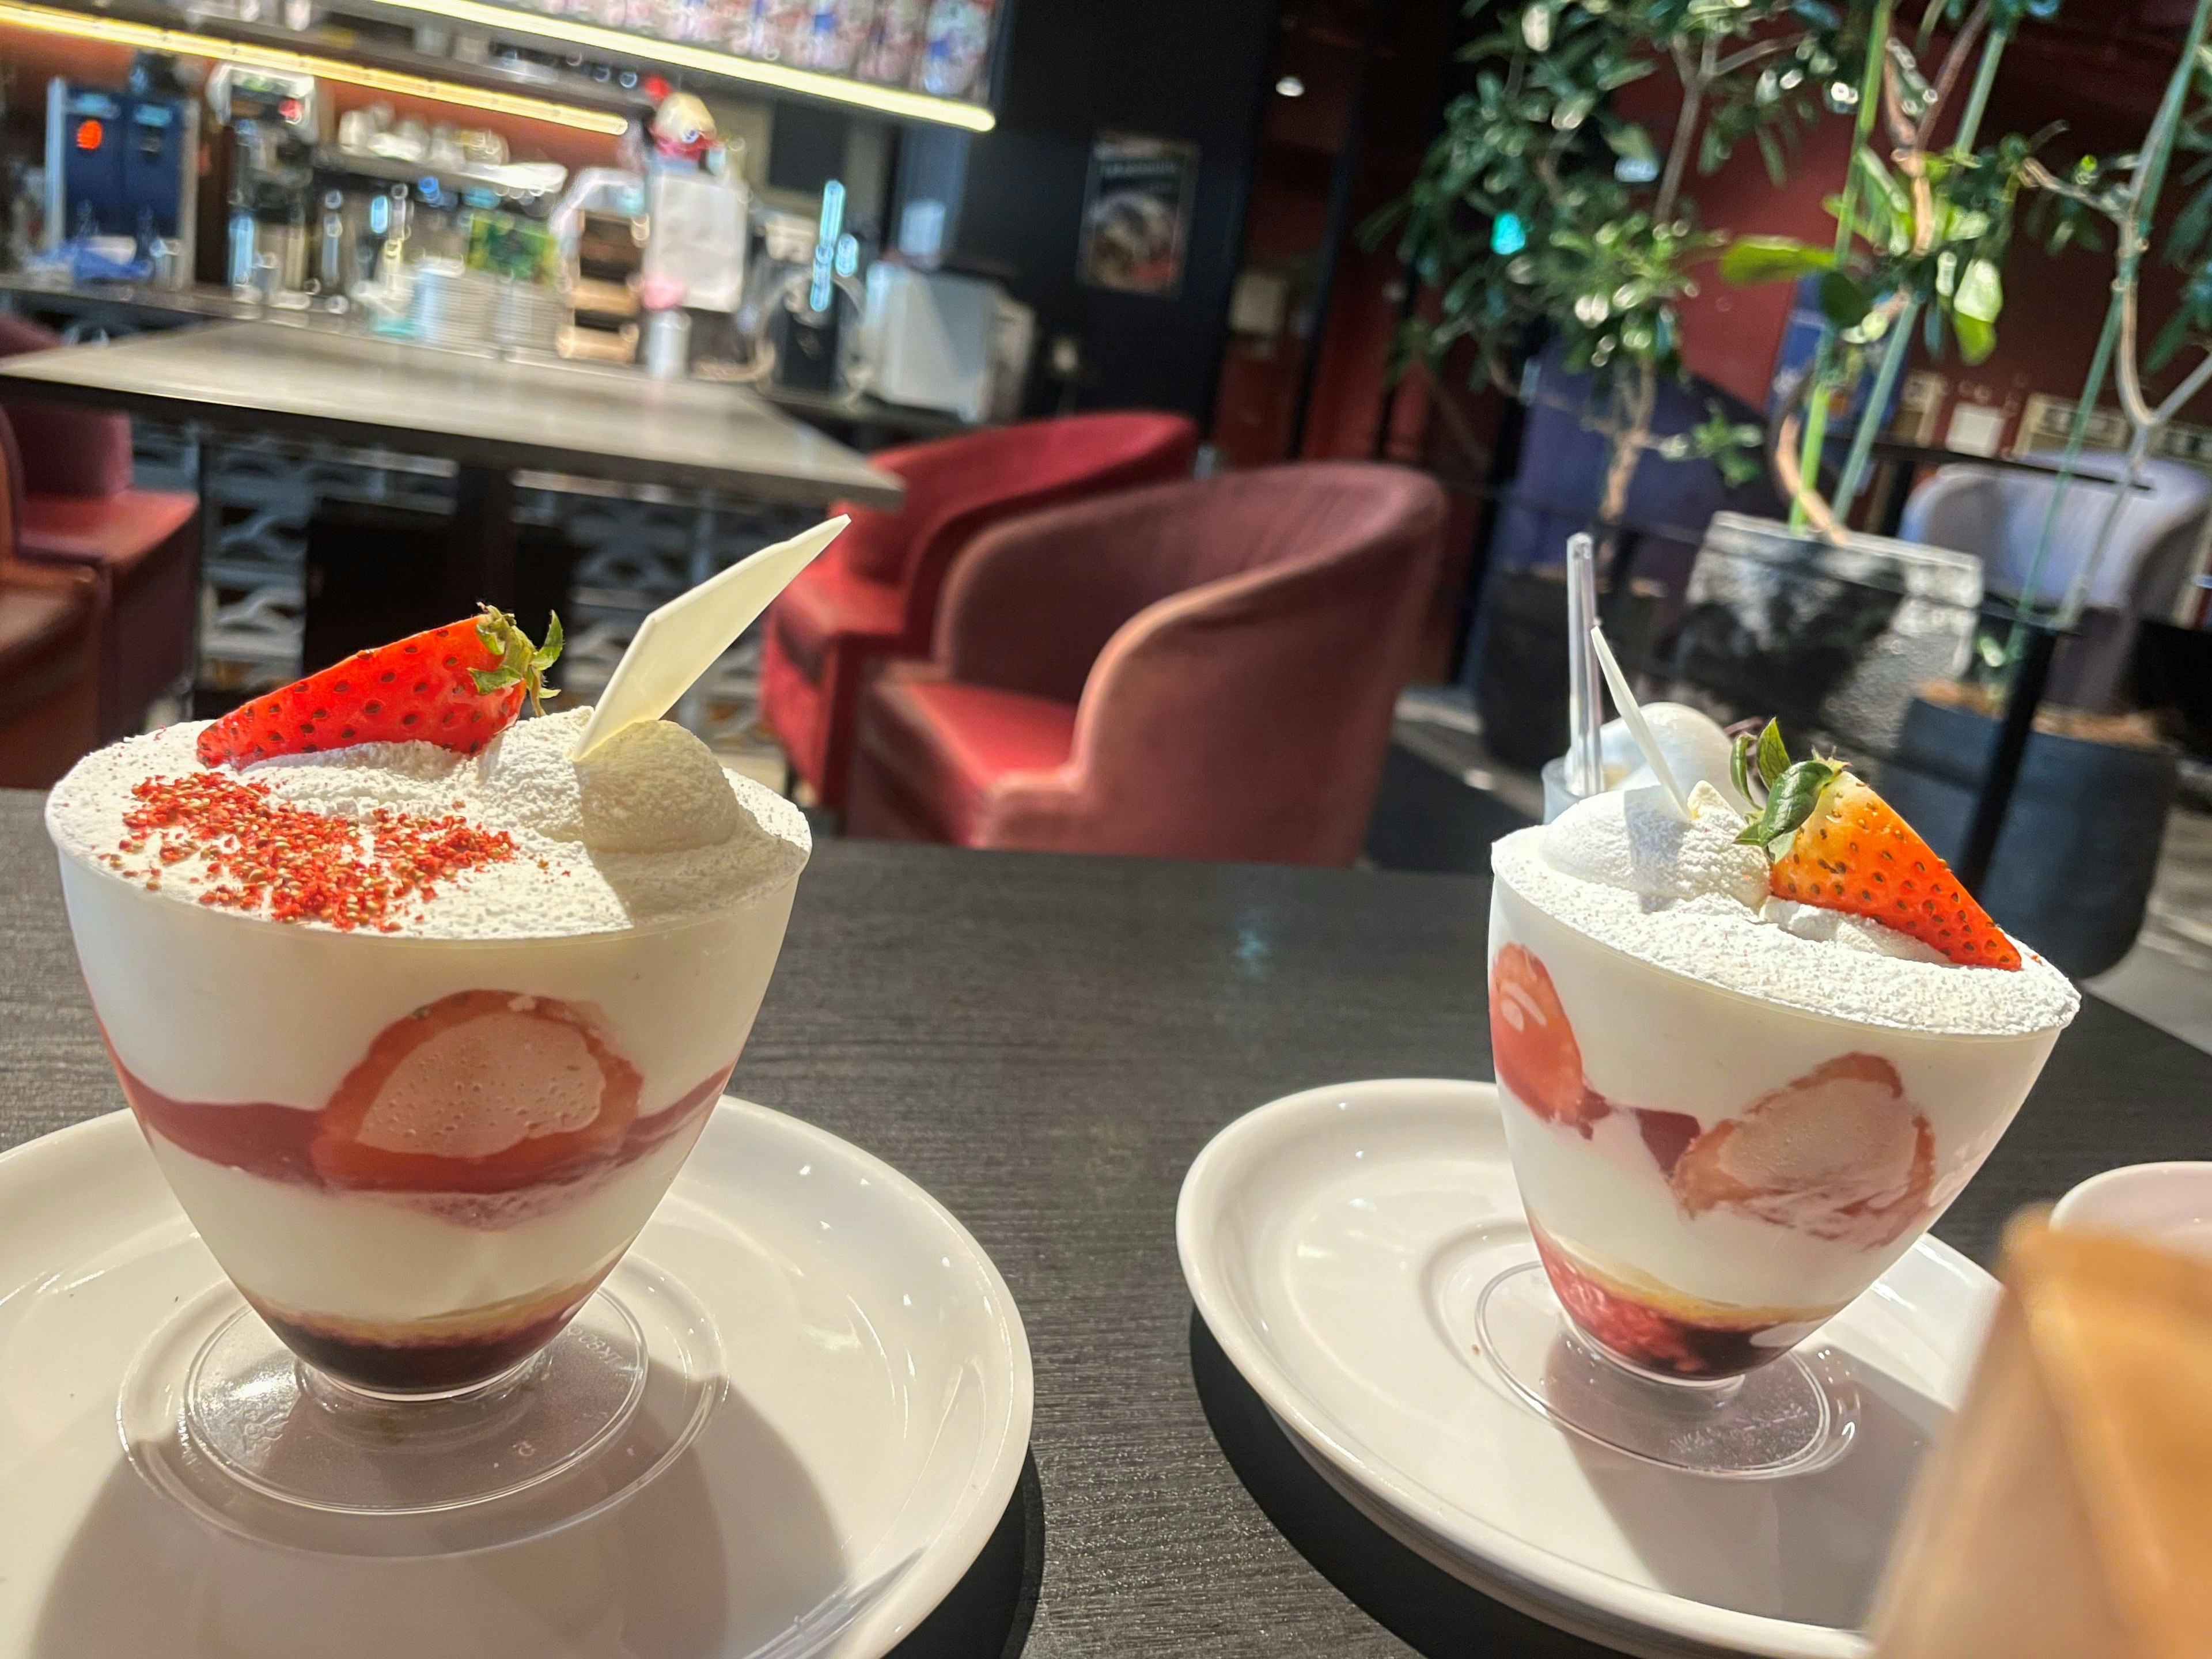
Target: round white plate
x=1335, y=1242
x=877, y=1417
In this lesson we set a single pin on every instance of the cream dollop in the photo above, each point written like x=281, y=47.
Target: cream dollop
x=1696, y=748
x=653, y=787
x=1634, y=840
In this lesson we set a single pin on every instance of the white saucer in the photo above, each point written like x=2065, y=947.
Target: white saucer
x=1336, y=1242
x=874, y=1426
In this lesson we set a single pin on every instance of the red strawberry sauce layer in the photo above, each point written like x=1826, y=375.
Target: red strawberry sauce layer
x=434, y=1365
x=1656, y=1339
x=276, y=1142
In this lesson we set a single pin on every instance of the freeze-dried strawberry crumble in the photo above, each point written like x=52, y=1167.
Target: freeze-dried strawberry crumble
x=263, y=856
x=511, y=842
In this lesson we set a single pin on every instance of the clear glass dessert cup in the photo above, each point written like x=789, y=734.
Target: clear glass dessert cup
x=1710, y=1177
x=416, y=1159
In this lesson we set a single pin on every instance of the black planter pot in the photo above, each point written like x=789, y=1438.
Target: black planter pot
x=1521, y=681
x=2074, y=863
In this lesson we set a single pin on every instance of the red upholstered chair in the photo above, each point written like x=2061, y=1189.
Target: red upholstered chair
x=49, y=624
x=141, y=546
x=1200, y=671
x=874, y=593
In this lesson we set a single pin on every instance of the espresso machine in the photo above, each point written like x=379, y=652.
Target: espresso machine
x=263, y=164
x=124, y=163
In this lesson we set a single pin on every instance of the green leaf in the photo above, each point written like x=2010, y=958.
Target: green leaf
x=1631, y=143
x=1977, y=339
x=1790, y=801
x=1843, y=301
x=519, y=662
x=1886, y=206
x=1736, y=467
x=1981, y=292
x=2170, y=339
x=1753, y=260
x=1740, y=763
x=1770, y=152
x=2190, y=225
x=1773, y=754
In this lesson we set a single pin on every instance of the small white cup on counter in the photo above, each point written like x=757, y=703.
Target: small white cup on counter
x=2166, y=1204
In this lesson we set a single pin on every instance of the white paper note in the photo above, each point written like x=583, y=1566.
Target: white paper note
x=681, y=640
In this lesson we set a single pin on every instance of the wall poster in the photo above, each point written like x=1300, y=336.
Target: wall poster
x=1136, y=213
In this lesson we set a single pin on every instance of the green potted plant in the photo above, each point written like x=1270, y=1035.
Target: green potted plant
x=2080, y=846
x=1543, y=213
x=1857, y=623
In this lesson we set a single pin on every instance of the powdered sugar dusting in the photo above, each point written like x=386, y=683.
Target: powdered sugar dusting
x=1634, y=839
x=1847, y=972
x=524, y=784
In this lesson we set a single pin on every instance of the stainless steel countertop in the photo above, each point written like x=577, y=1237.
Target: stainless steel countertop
x=139, y=304
x=491, y=411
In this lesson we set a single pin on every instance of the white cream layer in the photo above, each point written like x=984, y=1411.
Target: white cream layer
x=381, y=1259
x=211, y=1008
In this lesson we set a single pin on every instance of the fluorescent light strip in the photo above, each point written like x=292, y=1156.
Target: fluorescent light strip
x=148, y=37
x=885, y=100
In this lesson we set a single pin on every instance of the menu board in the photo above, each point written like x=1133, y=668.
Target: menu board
x=942, y=48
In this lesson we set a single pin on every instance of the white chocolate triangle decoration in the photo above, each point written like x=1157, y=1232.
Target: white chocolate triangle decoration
x=681, y=640
x=1639, y=727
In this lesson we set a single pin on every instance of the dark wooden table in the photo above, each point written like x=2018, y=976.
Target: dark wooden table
x=1045, y=1043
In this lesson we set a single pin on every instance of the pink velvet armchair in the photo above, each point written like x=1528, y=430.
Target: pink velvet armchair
x=50, y=626
x=874, y=593
x=80, y=512
x=1200, y=671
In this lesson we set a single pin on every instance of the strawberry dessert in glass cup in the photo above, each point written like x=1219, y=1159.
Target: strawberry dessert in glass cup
x=420, y=1017
x=1744, y=1066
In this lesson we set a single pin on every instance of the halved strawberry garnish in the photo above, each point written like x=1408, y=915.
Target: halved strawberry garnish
x=1534, y=1047
x=1849, y=850
x=458, y=686
x=481, y=1091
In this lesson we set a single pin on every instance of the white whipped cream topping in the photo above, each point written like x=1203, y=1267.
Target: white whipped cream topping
x=1625, y=870
x=650, y=829
x=1852, y=932
x=653, y=787
x=1634, y=840
x=1696, y=748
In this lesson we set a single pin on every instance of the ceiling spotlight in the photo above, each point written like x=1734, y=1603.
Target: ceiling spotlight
x=1289, y=87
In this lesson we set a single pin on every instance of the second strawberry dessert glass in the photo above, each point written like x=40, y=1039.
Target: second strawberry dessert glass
x=1745, y=1065
x=420, y=1010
